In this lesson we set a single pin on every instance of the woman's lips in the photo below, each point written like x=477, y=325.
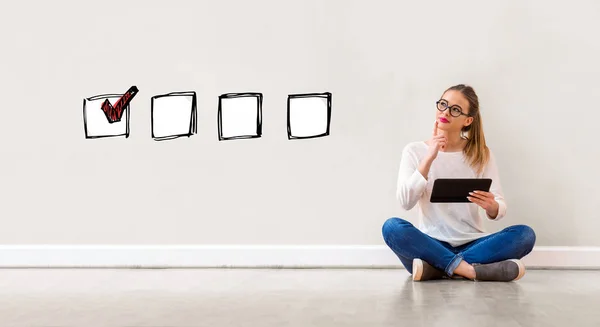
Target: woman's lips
x=444, y=120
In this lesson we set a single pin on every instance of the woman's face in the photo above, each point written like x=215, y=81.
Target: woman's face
x=454, y=117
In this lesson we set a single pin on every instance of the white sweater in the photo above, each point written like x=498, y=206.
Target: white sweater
x=455, y=223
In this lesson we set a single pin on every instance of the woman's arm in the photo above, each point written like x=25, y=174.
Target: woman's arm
x=412, y=180
x=491, y=171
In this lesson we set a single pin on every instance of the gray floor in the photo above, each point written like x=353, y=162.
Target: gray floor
x=305, y=297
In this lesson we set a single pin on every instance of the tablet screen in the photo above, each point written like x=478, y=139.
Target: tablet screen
x=457, y=189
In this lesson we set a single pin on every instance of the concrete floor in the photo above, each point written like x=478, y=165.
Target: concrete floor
x=304, y=297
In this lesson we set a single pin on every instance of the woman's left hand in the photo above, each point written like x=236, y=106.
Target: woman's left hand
x=486, y=201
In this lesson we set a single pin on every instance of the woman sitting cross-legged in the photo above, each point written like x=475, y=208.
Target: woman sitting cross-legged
x=450, y=241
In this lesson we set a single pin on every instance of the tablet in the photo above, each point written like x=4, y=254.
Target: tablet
x=457, y=189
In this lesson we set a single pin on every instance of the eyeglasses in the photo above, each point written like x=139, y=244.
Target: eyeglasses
x=455, y=110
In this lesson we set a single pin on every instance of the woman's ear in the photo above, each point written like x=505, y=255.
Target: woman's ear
x=468, y=121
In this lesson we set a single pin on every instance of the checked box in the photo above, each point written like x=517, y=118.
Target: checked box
x=309, y=115
x=107, y=115
x=173, y=115
x=240, y=116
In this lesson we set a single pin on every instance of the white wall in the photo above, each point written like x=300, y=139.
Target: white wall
x=534, y=65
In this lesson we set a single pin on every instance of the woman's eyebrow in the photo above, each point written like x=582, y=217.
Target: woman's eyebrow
x=455, y=105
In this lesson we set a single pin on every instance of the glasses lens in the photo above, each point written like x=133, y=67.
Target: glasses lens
x=455, y=112
x=442, y=105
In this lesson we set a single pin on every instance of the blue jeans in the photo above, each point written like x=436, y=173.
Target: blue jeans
x=408, y=242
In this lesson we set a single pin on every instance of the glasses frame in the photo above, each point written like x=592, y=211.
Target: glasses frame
x=437, y=105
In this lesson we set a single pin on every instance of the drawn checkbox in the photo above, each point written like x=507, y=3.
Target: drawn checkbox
x=173, y=115
x=240, y=116
x=98, y=123
x=309, y=115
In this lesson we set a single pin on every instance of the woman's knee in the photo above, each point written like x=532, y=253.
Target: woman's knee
x=527, y=236
x=393, y=228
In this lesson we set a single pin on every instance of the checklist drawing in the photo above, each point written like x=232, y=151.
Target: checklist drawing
x=308, y=115
x=173, y=115
x=239, y=116
x=107, y=115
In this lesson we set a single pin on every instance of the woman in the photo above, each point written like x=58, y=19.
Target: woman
x=450, y=241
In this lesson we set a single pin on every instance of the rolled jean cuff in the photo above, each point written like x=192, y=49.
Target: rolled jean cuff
x=453, y=264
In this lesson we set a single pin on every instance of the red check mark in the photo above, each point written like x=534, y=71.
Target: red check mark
x=114, y=113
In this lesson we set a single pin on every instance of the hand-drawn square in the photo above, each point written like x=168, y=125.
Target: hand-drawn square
x=173, y=115
x=309, y=115
x=95, y=121
x=240, y=116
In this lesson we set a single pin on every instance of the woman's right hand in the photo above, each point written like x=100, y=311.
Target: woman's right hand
x=437, y=142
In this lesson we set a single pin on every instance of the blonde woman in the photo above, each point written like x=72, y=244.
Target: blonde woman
x=450, y=241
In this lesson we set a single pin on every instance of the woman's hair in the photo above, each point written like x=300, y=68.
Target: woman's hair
x=476, y=149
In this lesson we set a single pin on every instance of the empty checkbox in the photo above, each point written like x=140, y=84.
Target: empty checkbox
x=173, y=115
x=309, y=115
x=240, y=116
x=98, y=123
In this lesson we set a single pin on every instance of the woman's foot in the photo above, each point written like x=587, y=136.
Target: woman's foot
x=503, y=271
x=422, y=271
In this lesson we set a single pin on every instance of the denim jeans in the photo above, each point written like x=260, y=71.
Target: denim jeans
x=408, y=242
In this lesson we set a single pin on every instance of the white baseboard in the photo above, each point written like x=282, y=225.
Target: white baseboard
x=252, y=256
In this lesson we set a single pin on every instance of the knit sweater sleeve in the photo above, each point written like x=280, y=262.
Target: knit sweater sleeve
x=411, y=184
x=491, y=171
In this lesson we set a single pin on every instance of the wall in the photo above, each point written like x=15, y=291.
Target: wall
x=534, y=65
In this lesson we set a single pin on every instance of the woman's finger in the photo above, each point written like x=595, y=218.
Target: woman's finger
x=435, y=128
x=440, y=140
x=474, y=200
x=486, y=194
x=479, y=196
x=478, y=202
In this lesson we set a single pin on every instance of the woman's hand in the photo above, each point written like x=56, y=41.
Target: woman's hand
x=486, y=201
x=437, y=142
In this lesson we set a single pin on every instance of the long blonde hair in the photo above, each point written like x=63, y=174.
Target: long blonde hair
x=476, y=149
